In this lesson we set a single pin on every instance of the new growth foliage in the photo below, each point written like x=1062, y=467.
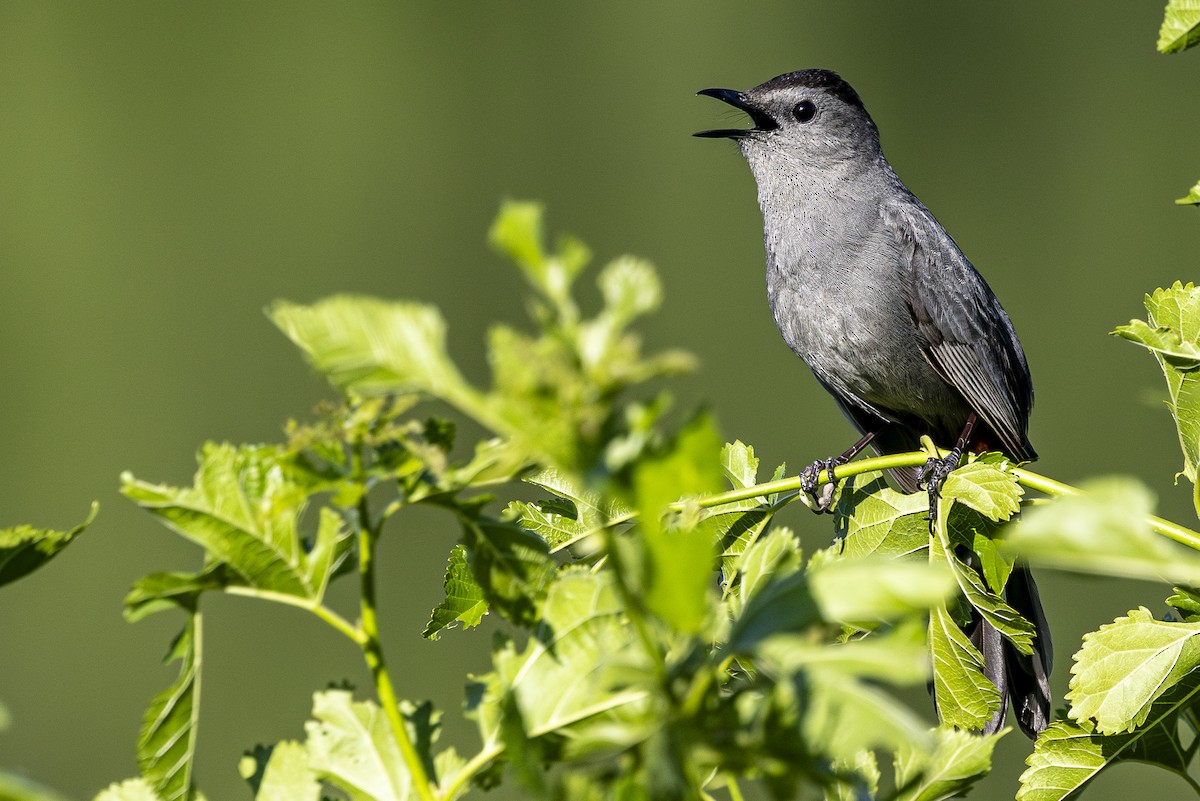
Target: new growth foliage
x=652, y=639
x=657, y=634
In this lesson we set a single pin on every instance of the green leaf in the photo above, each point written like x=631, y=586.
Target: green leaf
x=370, y=346
x=965, y=697
x=573, y=674
x=898, y=657
x=1069, y=754
x=868, y=590
x=1192, y=198
x=1174, y=315
x=858, y=779
x=873, y=519
x=778, y=552
x=1105, y=531
x=783, y=602
x=630, y=288
x=18, y=788
x=284, y=775
x=350, y=745
x=1181, y=26
x=244, y=508
x=957, y=761
x=739, y=525
x=24, y=549
x=518, y=233
x=464, y=602
x=167, y=741
x=1186, y=602
x=128, y=790
x=740, y=465
x=511, y=566
x=985, y=488
x=159, y=591
x=1162, y=341
x=1126, y=665
x=593, y=510
x=845, y=716
x=679, y=559
x=553, y=519
x=1008, y=621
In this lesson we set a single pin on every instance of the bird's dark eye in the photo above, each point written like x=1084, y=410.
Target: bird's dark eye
x=804, y=111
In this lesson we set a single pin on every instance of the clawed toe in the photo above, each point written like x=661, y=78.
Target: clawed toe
x=934, y=474
x=820, y=495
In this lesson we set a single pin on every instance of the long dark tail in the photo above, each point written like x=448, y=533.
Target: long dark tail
x=1023, y=681
x=1029, y=676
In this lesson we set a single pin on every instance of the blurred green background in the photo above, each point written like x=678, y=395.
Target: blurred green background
x=167, y=169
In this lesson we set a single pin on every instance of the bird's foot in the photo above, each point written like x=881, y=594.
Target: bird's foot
x=820, y=497
x=934, y=474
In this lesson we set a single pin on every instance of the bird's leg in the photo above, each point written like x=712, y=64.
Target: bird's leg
x=937, y=469
x=810, y=476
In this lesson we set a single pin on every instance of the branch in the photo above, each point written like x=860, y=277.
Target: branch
x=1025, y=478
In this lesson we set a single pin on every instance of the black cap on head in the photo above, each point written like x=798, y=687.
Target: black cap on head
x=826, y=80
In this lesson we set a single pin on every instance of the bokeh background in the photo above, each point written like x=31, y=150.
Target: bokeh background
x=167, y=169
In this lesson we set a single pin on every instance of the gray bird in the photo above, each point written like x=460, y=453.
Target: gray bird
x=872, y=293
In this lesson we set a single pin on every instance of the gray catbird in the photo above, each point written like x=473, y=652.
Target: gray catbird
x=870, y=291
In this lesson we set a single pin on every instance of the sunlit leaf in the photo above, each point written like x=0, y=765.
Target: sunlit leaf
x=244, y=508
x=518, y=233
x=128, y=790
x=284, y=776
x=1069, y=754
x=1104, y=530
x=1180, y=27
x=24, y=549
x=351, y=746
x=464, y=602
x=371, y=346
x=1163, y=341
x=964, y=695
x=956, y=762
x=846, y=716
x=874, y=519
x=1007, y=620
x=167, y=742
x=18, y=788
x=984, y=488
x=1192, y=198
x=778, y=552
x=159, y=591
x=858, y=778
x=899, y=657
x=679, y=558
x=864, y=590
x=1173, y=315
x=1126, y=665
x=568, y=675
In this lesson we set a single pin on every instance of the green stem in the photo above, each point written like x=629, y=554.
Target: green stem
x=1049, y=486
x=473, y=766
x=368, y=535
x=325, y=613
x=1026, y=478
x=735, y=792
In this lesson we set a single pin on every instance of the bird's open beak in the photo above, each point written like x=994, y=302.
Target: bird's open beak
x=762, y=120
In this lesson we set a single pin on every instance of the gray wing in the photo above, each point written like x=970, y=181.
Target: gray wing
x=967, y=337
